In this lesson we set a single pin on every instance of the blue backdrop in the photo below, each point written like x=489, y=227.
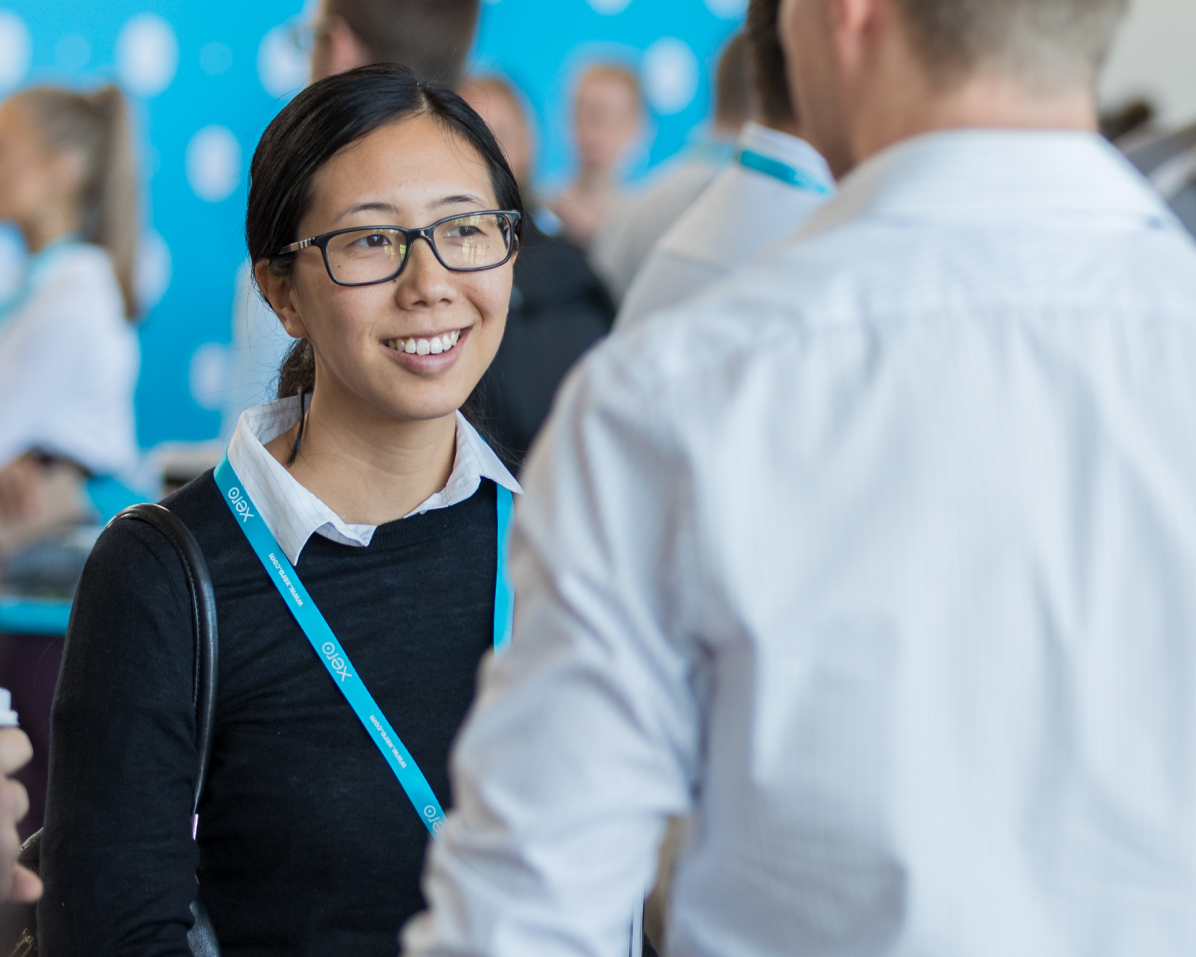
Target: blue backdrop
x=206, y=77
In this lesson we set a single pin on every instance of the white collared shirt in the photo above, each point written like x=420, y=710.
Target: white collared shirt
x=293, y=514
x=880, y=559
x=68, y=363
x=741, y=214
x=637, y=220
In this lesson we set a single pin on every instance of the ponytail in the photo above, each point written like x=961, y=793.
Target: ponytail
x=99, y=128
x=117, y=216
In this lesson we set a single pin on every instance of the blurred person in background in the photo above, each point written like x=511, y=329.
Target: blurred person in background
x=382, y=221
x=878, y=557
x=608, y=120
x=431, y=37
x=634, y=225
x=559, y=308
x=69, y=355
x=776, y=181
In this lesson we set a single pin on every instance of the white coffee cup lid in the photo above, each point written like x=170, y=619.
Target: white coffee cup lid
x=8, y=717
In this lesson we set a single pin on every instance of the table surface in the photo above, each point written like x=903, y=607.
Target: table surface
x=33, y=616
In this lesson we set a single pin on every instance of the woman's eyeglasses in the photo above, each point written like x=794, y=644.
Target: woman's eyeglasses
x=366, y=255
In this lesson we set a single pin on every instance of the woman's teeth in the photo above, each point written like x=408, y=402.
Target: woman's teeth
x=422, y=347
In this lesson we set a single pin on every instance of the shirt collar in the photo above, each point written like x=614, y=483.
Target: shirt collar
x=788, y=150
x=293, y=514
x=976, y=176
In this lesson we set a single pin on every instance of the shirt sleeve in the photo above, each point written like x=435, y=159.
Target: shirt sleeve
x=586, y=733
x=118, y=860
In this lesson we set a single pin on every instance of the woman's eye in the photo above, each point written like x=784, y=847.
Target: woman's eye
x=463, y=231
x=373, y=241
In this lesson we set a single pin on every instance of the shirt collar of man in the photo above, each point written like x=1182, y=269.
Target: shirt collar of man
x=988, y=175
x=787, y=149
x=293, y=514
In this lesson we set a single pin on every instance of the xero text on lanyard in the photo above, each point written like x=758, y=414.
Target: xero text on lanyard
x=328, y=649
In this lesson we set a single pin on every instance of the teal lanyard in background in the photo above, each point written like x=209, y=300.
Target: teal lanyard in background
x=37, y=268
x=328, y=649
x=790, y=175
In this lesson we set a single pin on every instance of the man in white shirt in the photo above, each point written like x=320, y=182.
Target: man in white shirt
x=773, y=185
x=879, y=558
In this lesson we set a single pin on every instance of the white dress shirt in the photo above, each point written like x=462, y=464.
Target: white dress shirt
x=68, y=363
x=293, y=514
x=743, y=212
x=638, y=220
x=880, y=558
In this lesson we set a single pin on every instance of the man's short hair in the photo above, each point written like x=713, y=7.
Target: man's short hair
x=1047, y=41
x=734, y=99
x=432, y=37
x=768, y=63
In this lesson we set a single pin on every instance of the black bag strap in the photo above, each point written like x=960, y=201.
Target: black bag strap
x=203, y=620
x=207, y=647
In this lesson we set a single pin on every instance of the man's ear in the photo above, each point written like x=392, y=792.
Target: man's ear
x=279, y=292
x=345, y=50
x=854, y=25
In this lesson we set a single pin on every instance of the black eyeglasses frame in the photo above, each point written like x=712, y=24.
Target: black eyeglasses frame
x=411, y=235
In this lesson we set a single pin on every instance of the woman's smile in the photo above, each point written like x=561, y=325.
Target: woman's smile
x=432, y=352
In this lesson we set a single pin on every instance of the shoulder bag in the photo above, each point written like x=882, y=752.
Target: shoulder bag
x=201, y=937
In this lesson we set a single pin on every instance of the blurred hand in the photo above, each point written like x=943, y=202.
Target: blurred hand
x=20, y=483
x=16, y=883
x=36, y=498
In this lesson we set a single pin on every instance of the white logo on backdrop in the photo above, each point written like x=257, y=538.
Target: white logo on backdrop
x=670, y=71
x=72, y=53
x=215, y=58
x=282, y=67
x=213, y=163
x=609, y=7
x=728, y=9
x=147, y=54
x=209, y=375
x=153, y=271
x=16, y=48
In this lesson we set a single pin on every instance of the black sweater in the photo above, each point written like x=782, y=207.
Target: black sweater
x=307, y=843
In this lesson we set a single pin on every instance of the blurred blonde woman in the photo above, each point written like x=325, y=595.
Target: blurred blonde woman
x=69, y=355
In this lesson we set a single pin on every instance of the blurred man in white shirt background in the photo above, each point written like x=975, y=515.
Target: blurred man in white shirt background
x=638, y=220
x=878, y=558
x=776, y=180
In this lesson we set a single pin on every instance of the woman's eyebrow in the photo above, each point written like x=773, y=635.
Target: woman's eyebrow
x=377, y=206
x=373, y=207
x=459, y=199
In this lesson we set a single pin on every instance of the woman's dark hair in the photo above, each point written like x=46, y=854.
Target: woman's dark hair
x=316, y=125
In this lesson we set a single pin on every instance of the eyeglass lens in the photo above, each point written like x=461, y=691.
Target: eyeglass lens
x=463, y=243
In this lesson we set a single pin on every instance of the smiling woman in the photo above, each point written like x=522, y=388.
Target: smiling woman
x=354, y=534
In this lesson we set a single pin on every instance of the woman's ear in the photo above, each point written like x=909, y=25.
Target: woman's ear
x=280, y=296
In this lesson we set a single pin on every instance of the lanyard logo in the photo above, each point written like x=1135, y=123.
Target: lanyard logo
x=336, y=662
x=240, y=504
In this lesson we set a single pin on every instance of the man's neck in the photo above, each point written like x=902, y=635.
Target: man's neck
x=368, y=468
x=986, y=101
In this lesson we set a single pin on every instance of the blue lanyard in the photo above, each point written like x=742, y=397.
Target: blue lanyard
x=36, y=270
x=329, y=650
x=783, y=171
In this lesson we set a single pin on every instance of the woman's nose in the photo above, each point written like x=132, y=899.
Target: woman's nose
x=424, y=281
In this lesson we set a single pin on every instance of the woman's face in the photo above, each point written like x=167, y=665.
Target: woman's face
x=35, y=184
x=411, y=174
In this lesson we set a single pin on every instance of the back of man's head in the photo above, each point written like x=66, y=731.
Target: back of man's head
x=432, y=37
x=768, y=65
x=1050, y=43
